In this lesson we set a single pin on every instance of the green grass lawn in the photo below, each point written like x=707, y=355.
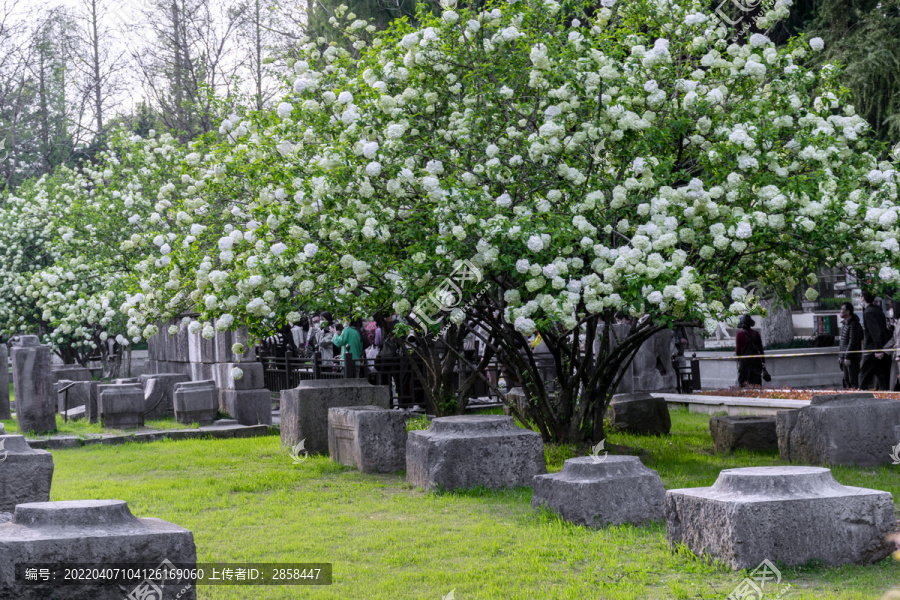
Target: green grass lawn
x=246, y=501
x=83, y=428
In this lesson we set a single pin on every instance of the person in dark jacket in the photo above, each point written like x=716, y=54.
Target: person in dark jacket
x=748, y=342
x=851, y=341
x=874, y=370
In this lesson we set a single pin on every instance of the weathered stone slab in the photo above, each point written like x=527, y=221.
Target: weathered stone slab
x=124, y=380
x=155, y=343
x=25, y=473
x=370, y=438
x=74, y=414
x=788, y=514
x=640, y=413
x=165, y=366
x=159, y=393
x=5, y=412
x=121, y=406
x=839, y=429
x=304, y=409
x=252, y=377
x=71, y=373
x=595, y=492
x=756, y=433
x=76, y=394
x=89, y=392
x=248, y=407
x=225, y=341
x=473, y=450
x=101, y=532
x=202, y=371
x=196, y=402
x=200, y=349
x=33, y=385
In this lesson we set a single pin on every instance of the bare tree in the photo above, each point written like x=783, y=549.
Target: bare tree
x=187, y=60
x=99, y=63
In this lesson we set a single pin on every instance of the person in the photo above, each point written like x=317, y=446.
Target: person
x=373, y=352
x=324, y=341
x=875, y=368
x=894, y=342
x=747, y=342
x=622, y=318
x=349, y=340
x=850, y=342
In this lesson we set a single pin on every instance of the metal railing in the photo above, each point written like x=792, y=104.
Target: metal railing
x=286, y=372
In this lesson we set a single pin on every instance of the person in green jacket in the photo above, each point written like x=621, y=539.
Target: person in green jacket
x=349, y=339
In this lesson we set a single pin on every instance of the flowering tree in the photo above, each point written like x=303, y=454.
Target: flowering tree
x=583, y=160
x=90, y=234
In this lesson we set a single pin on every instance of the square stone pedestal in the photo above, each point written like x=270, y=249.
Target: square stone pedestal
x=247, y=407
x=641, y=414
x=196, y=402
x=756, y=433
x=121, y=405
x=98, y=532
x=839, y=429
x=370, y=438
x=788, y=514
x=596, y=491
x=474, y=450
x=25, y=473
x=304, y=409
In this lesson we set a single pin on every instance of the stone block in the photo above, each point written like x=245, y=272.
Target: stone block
x=76, y=394
x=155, y=343
x=5, y=411
x=33, y=385
x=474, y=450
x=25, y=473
x=165, y=366
x=89, y=392
x=253, y=378
x=176, y=348
x=196, y=402
x=2, y=429
x=121, y=405
x=756, y=433
x=609, y=490
x=247, y=407
x=101, y=532
x=640, y=413
x=71, y=373
x=515, y=397
x=159, y=393
x=200, y=349
x=201, y=371
x=370, y=438
x=788, y=514
x=224, y=342
x=839, y=429
x=124, y=380
x=74, y=414
x=304, y=409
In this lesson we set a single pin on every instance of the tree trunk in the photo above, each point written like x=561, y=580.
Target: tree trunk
x=778, y=327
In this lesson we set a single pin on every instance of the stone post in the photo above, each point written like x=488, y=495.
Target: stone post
x=4, y=383
x=33, y=385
